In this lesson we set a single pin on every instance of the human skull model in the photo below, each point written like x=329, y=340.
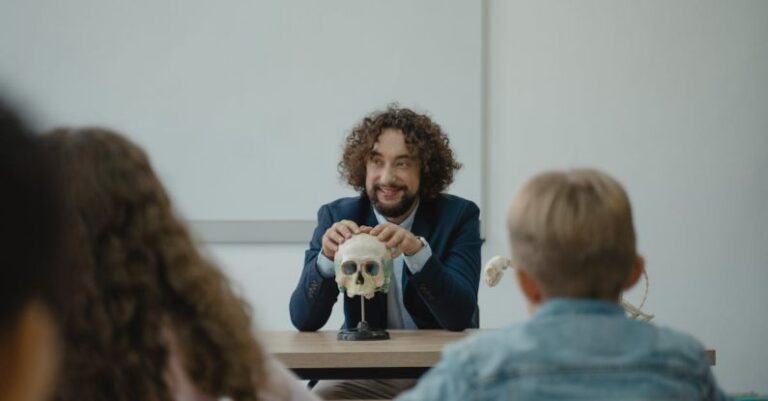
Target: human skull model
x=363, y=266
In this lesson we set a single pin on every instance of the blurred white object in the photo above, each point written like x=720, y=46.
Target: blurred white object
x=494, y=270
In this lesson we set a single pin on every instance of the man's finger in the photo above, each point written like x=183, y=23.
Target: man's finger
x=376, y=230
x=379, y=228
x=338, y=238
x=351, y=225
x=396, y=240
x=385, y=233
x=330, y=245
x=334, y=236
x=329, y=248
x=343, y=230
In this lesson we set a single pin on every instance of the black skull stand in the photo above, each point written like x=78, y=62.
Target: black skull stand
x=362, y=332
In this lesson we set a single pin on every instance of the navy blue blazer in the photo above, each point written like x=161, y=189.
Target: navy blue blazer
x=443, y=295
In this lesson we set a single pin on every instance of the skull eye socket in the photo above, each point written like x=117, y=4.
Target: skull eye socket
x=349, y=267
x=371, y=268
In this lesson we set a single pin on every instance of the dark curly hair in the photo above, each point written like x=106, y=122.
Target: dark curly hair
x=139, y=277
x=424, y=138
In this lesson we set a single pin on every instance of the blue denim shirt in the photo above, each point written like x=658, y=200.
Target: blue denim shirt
x=572, y=350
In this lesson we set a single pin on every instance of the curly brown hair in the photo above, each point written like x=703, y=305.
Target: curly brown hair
x=139, y=276
x=424, y=138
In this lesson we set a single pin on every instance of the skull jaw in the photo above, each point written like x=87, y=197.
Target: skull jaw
x=349, y=287
x=360, y=284
x=368, y=288
x=366, y=291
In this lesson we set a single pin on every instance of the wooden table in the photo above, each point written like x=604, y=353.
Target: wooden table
x=318, y=355
x=408, y=354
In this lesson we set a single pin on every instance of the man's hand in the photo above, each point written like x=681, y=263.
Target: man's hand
x=398, y=239
x=337, y=234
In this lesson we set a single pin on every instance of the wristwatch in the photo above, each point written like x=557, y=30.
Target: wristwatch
x=423, y=244
x=423, y=240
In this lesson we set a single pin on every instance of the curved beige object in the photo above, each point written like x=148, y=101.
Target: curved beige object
x=494, y=270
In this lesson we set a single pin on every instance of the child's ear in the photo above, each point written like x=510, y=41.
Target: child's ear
x=634, y=274
x=528, y=285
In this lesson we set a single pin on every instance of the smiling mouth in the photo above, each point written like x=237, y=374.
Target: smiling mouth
x=389, y=192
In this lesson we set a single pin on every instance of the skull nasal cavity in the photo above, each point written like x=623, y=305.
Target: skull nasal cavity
x=359, y=280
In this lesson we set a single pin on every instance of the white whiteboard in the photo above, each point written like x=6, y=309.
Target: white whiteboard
x=243, y=105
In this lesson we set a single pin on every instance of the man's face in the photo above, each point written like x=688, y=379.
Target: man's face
x=392, y=175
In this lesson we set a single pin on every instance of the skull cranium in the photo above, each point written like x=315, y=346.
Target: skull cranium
x=363, y=266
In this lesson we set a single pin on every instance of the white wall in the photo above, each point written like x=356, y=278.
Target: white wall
x=669, y=97
x=672, y=99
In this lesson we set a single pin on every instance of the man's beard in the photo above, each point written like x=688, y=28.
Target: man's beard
x=396, y=210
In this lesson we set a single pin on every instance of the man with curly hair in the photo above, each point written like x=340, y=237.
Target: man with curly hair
x=400, y=162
